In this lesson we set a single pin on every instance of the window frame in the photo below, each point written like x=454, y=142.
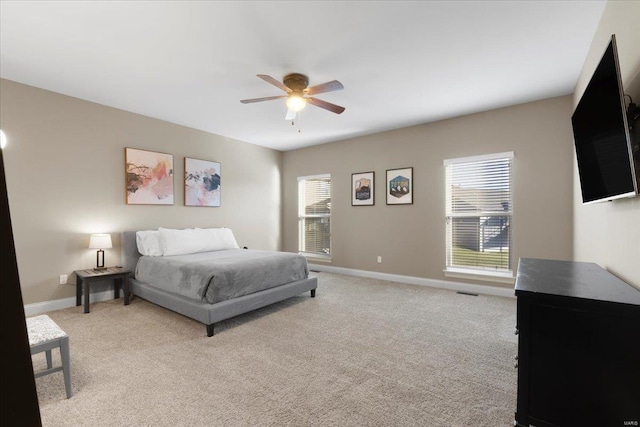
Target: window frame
x=478, y=273
x=302, y=216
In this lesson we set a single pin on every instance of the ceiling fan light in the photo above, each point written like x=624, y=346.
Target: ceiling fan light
x=296, y=103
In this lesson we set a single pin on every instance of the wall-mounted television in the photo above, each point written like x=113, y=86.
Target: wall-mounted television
x=604, y=145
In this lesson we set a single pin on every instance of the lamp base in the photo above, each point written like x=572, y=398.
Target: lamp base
x=100, y=260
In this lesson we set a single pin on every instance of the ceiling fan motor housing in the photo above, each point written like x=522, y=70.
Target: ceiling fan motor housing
x=296, y=82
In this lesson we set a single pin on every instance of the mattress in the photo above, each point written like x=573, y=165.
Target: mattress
x=217, y=276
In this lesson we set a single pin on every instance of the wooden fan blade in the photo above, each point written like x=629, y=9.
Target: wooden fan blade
x=274, y=82
x=326, y=105
x=290, y=114
x=268, y=98
x=324, y=87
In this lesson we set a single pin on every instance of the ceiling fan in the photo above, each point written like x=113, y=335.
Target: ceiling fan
x=299, y=94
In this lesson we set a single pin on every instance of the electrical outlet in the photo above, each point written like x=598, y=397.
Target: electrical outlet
x=379, y=260
x=63, y=279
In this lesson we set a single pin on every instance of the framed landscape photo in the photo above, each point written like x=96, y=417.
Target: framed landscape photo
x=399, y=188
x=149, y=177
x=362, y=189
x=201, y=182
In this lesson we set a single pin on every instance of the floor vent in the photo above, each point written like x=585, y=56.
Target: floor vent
x=467, y=293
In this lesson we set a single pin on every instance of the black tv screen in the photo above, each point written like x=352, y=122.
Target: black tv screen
x=601, y=135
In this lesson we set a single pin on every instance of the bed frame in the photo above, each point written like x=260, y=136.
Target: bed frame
x=206, y=313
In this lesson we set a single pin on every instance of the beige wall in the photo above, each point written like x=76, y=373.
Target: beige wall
x=609, y=233
x=411, y=238
x=65, y=177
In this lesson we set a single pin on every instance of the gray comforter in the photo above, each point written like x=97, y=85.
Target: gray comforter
x=221, y=275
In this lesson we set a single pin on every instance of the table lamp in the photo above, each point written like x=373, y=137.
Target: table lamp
x=100, y=242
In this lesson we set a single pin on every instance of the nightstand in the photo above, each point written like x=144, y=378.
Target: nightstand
x=85, y=277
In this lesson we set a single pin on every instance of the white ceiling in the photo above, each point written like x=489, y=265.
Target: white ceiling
x=401, y=63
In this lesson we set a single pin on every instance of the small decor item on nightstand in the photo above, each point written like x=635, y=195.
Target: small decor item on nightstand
x=100, y=242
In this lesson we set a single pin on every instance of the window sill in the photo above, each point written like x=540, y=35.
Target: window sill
x=490, y=276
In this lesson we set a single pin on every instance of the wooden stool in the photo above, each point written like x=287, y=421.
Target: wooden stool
x=45, y=335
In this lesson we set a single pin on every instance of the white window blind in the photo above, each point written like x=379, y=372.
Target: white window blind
x=314, y=215
x=479, y=213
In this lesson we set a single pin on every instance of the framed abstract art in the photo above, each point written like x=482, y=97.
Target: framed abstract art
x=149, y=177
x=201, y=182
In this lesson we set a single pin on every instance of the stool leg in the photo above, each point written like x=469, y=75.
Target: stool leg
x=66, y=365
x=49, y=360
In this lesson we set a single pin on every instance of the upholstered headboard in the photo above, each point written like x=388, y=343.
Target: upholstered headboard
x=129, y=250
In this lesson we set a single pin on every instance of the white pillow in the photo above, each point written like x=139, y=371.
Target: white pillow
x=195, y=240
x=219, y=238
x=148, y=242
x=181, y=242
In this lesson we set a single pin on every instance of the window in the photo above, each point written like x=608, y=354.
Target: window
x=479, y=211
x=314, y=215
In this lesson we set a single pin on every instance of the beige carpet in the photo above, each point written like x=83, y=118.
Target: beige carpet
x=364, y=352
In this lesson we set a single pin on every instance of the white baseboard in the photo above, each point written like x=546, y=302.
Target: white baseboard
x=59, y=304
x=441, y=284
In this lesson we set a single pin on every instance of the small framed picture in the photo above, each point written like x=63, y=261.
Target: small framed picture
x=201, y=182
x=362, y=189
x=149, y=177
x=399, y=186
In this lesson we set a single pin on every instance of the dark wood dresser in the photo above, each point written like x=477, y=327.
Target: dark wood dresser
x=578, y=357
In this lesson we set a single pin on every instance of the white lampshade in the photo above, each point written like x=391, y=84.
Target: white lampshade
x=296, y=103
x=100, y=241
x=3, y=139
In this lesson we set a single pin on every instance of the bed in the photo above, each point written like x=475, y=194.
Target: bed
x=210, y=285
